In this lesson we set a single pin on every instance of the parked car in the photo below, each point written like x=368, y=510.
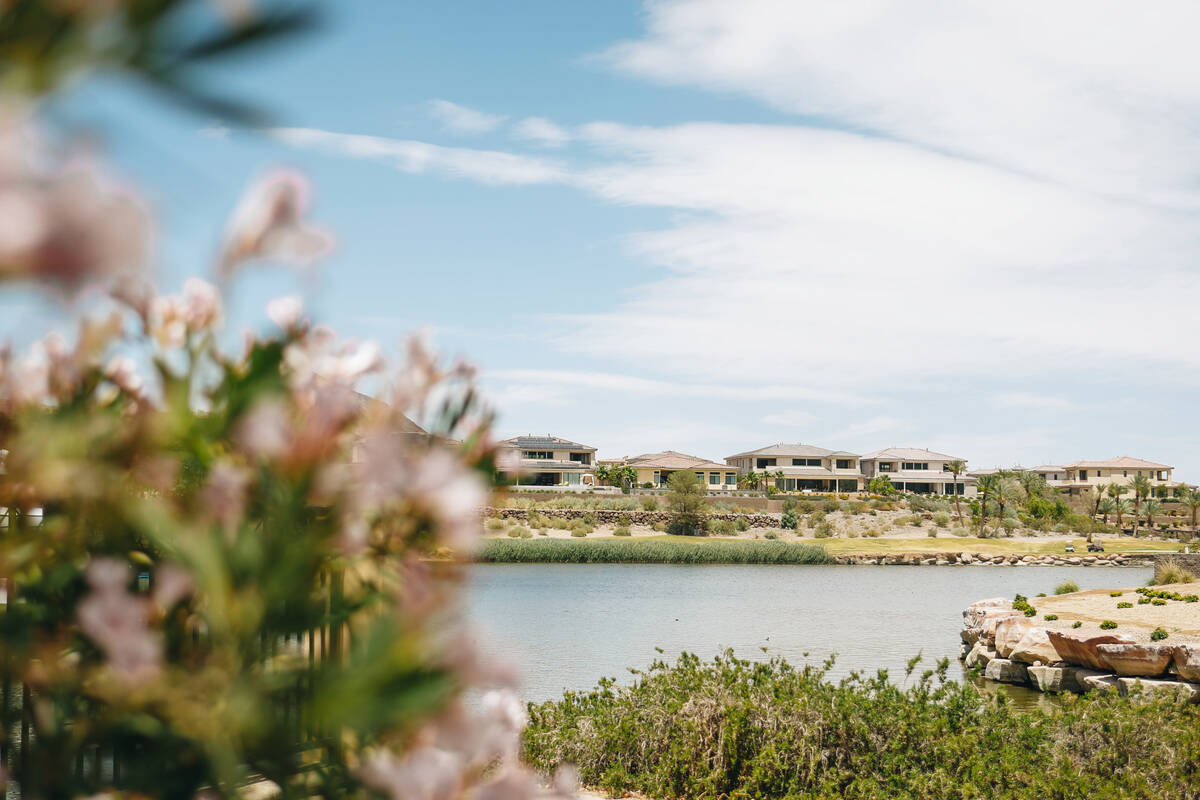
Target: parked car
x=1069, y=548
x=1095, y=547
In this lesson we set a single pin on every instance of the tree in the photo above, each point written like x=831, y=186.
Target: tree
x=1141, y=490
x=989, y=485
x=881, y=484
x=1106, y=506
x=1097, y=495
x=685, y=501
x=1152, y=508
x=604, y=474
x=624, y=476
x=1123, y=507
x=778, y=476
x=1191, y=499
x=956, y=468
x=749, y=480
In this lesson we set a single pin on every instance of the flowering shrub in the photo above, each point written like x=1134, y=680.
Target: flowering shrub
x=223, y=564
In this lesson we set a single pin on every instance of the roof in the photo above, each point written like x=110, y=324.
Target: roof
x=1046, y=468
x=909, y=454
x=670, y=459
x=797, y=450
x=1121, y=462
x=547, y=442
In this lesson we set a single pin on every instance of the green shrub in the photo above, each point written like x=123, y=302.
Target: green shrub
x=788, y=521
x=1050, y=617
x=624, y=519
x=1115, y=594
x=1143, y=601
x=806, y=506
x=771, y=535
x=642, y=551
x=932, y=533
x=1108, y=625
x=649, y=504
x=959, y=530
x=1172, y=571
x=830, y=506
x=1076, y=624
x=1158, y=634
x=742, y=524
x=1066, y=587
x=659, y=527
x=823, y=530
x=494, y=524
x=732, y=728
x=1158, y=601
x=721, y=527
x=941, y=519
x=559, y=523
x=621, y=530
x=520, y=532
x=1124, y=604
x=579, y=533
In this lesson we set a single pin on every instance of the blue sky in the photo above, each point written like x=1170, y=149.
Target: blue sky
x=708, y=226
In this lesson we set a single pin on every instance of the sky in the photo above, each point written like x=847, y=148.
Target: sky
x=710, y=226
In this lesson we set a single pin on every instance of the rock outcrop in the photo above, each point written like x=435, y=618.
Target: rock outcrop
x=1187, y=661
x=1005, y=671
x=1137, y=660
x=1080, y=648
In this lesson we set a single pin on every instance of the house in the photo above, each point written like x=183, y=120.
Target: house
x=804, y=467
x=655, y=468
x=1081, y=476
x=917, y=470
x=551, y=461
x=1055, y=475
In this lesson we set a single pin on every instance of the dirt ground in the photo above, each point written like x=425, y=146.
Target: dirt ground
x=1180, y=620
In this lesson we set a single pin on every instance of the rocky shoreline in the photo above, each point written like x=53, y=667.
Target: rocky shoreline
x=988, y=559
x=1007, y=646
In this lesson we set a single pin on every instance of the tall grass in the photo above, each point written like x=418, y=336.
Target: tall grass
x=1171, y=571
x=559, y=551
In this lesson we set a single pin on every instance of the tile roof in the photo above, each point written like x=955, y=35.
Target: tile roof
x=547, y=442
x=1046, y=468
x=797, y=449
x=910, y=454
x=1121, y=462
x=670, y=459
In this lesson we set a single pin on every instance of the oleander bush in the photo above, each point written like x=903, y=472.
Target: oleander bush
x=735, y=728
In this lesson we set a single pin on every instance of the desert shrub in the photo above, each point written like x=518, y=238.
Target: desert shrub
x=771, y=535
x=788, y=521
x=624, y=519
x=1158, y=634
x=1171, y=571
x=1050, y=617
x=1107, y=625
x=659, y=527
x=1124, y=604
x=959, y=530
x=1066, y=587
x=1158, y=601
x=932, y=533
x=941, y=519
x=852, y=533
x=1076, y=624
x=915, y=520
x=1010, y=525
x=823, y=530
x=806, y=506
x=559, y=523
x=721, y=527
x=1115, y=594
x=1061, y=528
x=519, y=532
x=649, y=504
x=789, y=504
x=621, y=530
x=742, y=524
x=642, y=551
x=494, y=524
x=579, y=533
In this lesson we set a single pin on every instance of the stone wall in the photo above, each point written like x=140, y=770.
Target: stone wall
x=1189, y=561
x=985, y=559
x=608, y=516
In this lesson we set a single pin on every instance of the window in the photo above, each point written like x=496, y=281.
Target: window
x=657, y=478
x=887, y=466
x=700, y=475
x=581, y=458
x=845, y=463
x=1124, y=473
x=911, y=465
x=538, y=455
x=806, y=462
x=763, y=463
x=714, y=478
x=731, y=479
x=1083, y=474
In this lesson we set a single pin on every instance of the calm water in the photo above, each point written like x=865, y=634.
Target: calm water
x=571, y=624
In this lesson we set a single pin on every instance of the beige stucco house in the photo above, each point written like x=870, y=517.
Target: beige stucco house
x=804, y=467
x=912, y=469
x=655, y=468
x=1084, y=475
x=550, y=461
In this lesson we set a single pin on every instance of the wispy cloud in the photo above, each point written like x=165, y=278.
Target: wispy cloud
x=868, y=427
x=543, y=131
x=790, y=419
x=407, y=155
x=460, y=119
x=1031, y=400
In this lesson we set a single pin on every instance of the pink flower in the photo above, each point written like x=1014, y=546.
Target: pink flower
x=202, y=304
x=269, y=224
x=171, y=584
x=286, y=312
x=425, y=773
x=224, y=495
x=117, y=622
x=264, y=431
x=122, y=371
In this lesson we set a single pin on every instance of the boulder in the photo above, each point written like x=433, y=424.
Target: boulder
x=1099, y=682
x=973, y=614
x=1009, y=631
x=1054, y=679
x=1080, y=648
x=1034, y=646
x=979, y=656
x=1137, y=660
x=1185, y=691
x=969, y=635
x=987, y=630
x=1005, y=671
x=1187, y=661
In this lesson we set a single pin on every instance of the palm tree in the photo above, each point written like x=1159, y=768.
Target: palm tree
x=1122, y=507
x=1100, y=490
x=1141, y=490
x=956, y=468
x=1106, y=506
x=1152, y=508
x=1191, y=498
x=1115, y=490
x=988, y=485
x=778, y=476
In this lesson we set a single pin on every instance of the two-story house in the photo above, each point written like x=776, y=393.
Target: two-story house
x=551, y=461
x=1082, y=476
x=917, y=470
x=804, y=466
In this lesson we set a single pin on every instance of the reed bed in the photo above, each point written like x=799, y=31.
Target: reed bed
x=559, y=551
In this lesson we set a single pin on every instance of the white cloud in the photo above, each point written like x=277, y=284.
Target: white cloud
x=406, y=155
x=867, y=427
x=460, y=119
x=543, y=131
x=1031, y=400
x=790, y=419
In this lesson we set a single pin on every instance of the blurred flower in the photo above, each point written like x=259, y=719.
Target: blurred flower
x=264, y=432
x=171, y=584
x=269, y=224
x=425, y=773
x=202, y=304
x=117, y=622
x=122, y=371
x=286, y=312
x=224, y=494
x=63, y=225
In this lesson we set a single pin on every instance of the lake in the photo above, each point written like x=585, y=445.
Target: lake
x=571, y=624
